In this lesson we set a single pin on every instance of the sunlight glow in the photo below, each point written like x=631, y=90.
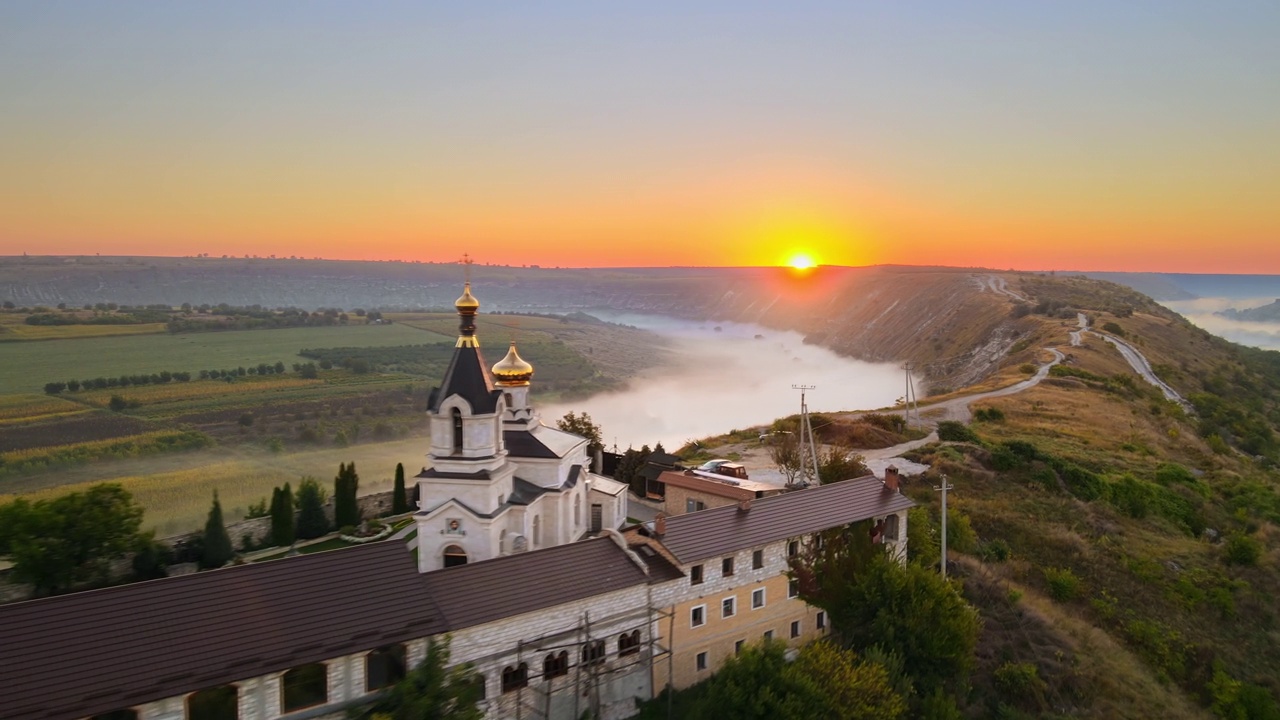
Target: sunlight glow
x=801, y=261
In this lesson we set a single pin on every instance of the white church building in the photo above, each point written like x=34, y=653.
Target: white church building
x=499, y=480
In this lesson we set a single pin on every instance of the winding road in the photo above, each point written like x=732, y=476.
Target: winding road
x=1136, y=360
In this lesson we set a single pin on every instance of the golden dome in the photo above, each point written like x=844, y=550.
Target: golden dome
x=512, y=369
x=467, y=304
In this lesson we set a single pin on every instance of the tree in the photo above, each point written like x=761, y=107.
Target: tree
x=583, y=426
x=152, y=559
x=433, y=690
x=873, y=600
x=54, y=388
x=346, y=511
x=282, y=529
x=837, y=463
x=57, y=543
x=399, y=503
x=217, y=543
x=311, y=520
x=784, y=451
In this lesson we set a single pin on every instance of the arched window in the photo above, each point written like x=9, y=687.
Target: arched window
x=384, y=667
x=555, y=665
x=593, y=652
x=537, y=531
x=304, y=687
x=510, y=401
x=457, y=431
x=629, y=643
x=502, y=543
x=515, y=677
x=117, y=715
x=454, y=555
x=218, y=703
x=891, y=527
x=577, y=514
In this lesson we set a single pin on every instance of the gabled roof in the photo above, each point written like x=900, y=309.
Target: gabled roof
x=522, y=443
x=477, y=593
x=468, y=376
x=524, y=492
x=93, y=652
x=720, y=531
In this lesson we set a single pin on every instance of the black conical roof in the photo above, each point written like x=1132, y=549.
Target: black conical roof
x=468, y=376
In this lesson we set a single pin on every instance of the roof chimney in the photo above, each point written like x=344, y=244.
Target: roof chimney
x=744, y=504
x=891, y=478
x=660, y=524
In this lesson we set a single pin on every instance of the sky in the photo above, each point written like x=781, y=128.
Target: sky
x=1029, y=135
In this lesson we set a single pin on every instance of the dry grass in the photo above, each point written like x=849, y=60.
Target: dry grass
x=34, y=408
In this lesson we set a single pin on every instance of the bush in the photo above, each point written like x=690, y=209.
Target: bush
x=117, y=403
x=1242, y=550
x=1131, y=496
x=952, y=431
x=1113, y=328
x=994, y=550
x=988, y=415
x=1018, y=680
x=1063, y=584
x=960, y=534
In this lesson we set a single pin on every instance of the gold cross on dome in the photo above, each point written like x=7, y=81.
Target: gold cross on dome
x=467, y=261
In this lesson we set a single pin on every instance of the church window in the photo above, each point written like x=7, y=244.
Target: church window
x=117, y=715
x=593, y=652
x=577, y=514
x=629, y=643
x=384, y=667
x=511, y=403
x=304, y=686
x=556, y=665
x=514, y=678
x=454, y=556
x=597, y=517
x=537, y=530
x=502, y=542
x=481, y=686
x=219, y=703
x=457, y=430
x=891, y=527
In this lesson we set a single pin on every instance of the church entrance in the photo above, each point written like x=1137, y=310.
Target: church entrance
x=454, y=556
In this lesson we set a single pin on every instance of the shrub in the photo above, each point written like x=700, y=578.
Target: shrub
x=1131, y=496
x=994, y=550
x=1027, y=368
x=989, y=415
x=1018, y=680
x=960, y=534
x=1113, y=328
x=1242, y=550
x=117, y=403
x=1063, y=584
x=952, y=431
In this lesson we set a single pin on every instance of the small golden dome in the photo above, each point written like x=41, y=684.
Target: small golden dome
x=467, y=304
x=512, y=369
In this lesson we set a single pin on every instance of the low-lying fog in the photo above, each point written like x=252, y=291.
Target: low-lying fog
x=1201, y=312
x=728, y=379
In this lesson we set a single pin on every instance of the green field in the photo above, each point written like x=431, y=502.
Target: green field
x=26, y=367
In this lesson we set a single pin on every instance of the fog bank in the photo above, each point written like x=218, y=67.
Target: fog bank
x=1201, y=313
x=723, y=380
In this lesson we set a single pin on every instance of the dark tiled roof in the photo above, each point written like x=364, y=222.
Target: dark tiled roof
x=524, y=492
x=700, y=535
x=481, y=592
x=468, y=376
x=664, y=459
x=434, y=473
x=711, y=487
x=93, y=652
x=522, y=443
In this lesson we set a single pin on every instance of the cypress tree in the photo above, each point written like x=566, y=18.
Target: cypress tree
x=217, y=543
x=399, y=503
x=311, y=520
x=345, y=510
x=282, y=516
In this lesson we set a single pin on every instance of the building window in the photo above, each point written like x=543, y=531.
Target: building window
x=694, y=505
x=597, y=517
x=822, y=620
x=219, y=703
x=577, y=514
x=593, y=652
x=793, y=548
x=695, y=575
x=728, y=606
x=757, y=598
x=737, y=647
x=757, y=559
x=502, y=541
x=629, y=643
x=454, y=556
x=726, y=567
x=457, y=431
x=304, y=687
x=700, y=662
x=795, y=628
x=482, y=687
x=384, y=667
x=793, y=588
x=537, y=530
x=514, y=678
x=698, y=616
x=555, y=665
x=891, y=527
x=117, y=715
x=768, y=635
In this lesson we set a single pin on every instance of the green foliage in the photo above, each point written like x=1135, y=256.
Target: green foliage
x=996, y=550
x=1130, y=495
x=346, y=511
x=1242, y=550
x=837, y=463
x=583, y=426
x=117, y=403
x=151, y=560
x=988, y=415
x=1069, y=371
x=282, y=522
x=1114, y=329
x=952, y=431
x=1018, y=682
x=57, y=543
x=312, y=522
x=960, y=534
x=217, y=543
x=923, y=547
x=1064, y=585
x=937, y=706
x=433, y=691
x=399, y=501
x=258, y=509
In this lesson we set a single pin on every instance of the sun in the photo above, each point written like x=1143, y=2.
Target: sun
x=801, y=261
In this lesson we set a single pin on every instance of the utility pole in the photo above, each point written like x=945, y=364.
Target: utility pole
x=806, y=431
x=944, y=488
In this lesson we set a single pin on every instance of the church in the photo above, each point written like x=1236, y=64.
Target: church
x=520, y=560
x=500, y=481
